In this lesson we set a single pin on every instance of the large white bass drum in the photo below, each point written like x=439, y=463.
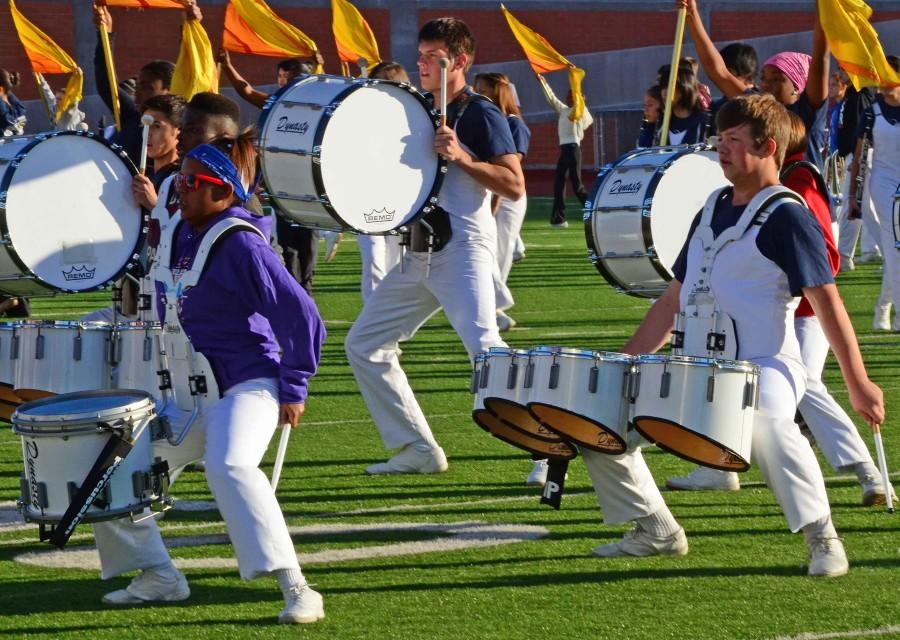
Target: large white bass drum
x=340, y=153
x=68, y=218
x=641, y=209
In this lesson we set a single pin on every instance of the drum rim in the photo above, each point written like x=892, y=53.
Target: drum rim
x=594, y=253
x=562, y=351
x=136, y=325
x=637, y=425
x=505, y=351
x=352, y=85
x=744, y=366
x=4, y=228
x=84, y=325
x=142, y=406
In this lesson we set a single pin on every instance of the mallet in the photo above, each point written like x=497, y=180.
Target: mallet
x=146, y=121
x=279, y=455
x=444, y=62
x=882, y=465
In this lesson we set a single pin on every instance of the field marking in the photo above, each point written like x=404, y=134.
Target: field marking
x=455, y=536
x=859, y=633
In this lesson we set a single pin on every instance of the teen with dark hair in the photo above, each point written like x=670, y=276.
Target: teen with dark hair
x=12, y=111
x=687, y=123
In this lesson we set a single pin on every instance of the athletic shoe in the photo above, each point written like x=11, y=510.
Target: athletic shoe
x=882, y=319
x=504, y=322
x=638, y=542
x=873, y=491
x=518, y=256
x=705, y=479
x=827, y=558
x=149, y=586
x=411, y=460
x=847, y=264
x=560, y=225
x=538, y=475
x=304, y=606
x=332, y=240
x=868, y=257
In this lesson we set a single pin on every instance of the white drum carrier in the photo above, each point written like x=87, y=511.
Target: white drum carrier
x=340, y=153
x=67, y=214
x=640, y=211
x=62, y=436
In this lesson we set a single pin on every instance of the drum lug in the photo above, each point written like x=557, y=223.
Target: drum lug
x=710, y=388
x=512, y=376
x=148, y=348
x=76, y=347
x=39, y=347
x=635, y=384
x=748, y=394
x=665, y=384
x=485, y=373
x=529, y=375
x=14, y=347
x=593, y=377
x=476, y=373
x=554, y=375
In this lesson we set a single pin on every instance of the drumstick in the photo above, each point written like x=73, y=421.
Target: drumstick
x=882, y=465
x=444, y=62
x=146, y=121
x=279, y=455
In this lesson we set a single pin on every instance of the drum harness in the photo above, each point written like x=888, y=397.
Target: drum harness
x=198, y=365
x=431, y=232
x=702, y=328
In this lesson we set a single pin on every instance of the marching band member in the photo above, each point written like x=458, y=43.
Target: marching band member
x=775, y=254
x=456, y=272
x=262, y=336
x=12, y=111
x=882, y=182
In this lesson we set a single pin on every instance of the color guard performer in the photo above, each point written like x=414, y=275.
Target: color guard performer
x=775, y=255
x=456, y=273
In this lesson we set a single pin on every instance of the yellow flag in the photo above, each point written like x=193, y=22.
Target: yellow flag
x=47, y=57
x=352, y=34
x=854, y=43
x=255, y=28
x=544, y=59
x=195, y=70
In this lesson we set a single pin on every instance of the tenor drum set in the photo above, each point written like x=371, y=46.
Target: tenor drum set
x=69, y=224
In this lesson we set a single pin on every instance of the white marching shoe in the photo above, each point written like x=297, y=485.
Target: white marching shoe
x=882, y=319
x=827, y=558
x=504, y=322
x=303, y=605
x=873, y=491
x=411, y=460
x=705, y=479
x=639, y=543
x=149, y=586
x=538, y=475
x=332, y=240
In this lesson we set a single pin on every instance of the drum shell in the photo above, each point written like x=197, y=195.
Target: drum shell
x=136, y=359
x=68, y=216
x=300, y=144
x=640, y=211
x=722, y=418
x=60, y=451
x=8, y=337
x=55, y=366
x=588, y=384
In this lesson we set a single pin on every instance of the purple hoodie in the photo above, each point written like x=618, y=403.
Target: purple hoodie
x=247, y=308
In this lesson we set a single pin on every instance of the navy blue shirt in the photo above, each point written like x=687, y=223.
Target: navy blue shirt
x=482, y=128
x=790, y=237
x=693, y=128
x=816, y=121
x=520, y=132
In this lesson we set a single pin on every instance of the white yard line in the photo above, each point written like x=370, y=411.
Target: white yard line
x=859, y=633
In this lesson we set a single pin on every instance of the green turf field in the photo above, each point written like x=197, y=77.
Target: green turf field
x=744, y=576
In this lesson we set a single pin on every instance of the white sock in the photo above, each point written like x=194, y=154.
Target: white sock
x=661, y=524
x=863, y=469
x=166, y=571
x=288, y=579
x=823, y=528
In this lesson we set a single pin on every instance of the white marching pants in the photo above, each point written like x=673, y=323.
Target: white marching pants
x=849, y=230
x=379, y=254
x=461, y=282
x=883, y=188
x=509, y=219
x=626, y=489
x=231, y=435
x=835, y=433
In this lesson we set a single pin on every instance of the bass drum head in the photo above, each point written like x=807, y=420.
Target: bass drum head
x=679, y=195
x=70, y=213
x=378, y=164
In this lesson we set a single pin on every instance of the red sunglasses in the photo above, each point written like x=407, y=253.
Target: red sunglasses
x=192, y=181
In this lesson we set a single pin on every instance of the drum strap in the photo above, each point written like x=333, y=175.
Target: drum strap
x=821, y=185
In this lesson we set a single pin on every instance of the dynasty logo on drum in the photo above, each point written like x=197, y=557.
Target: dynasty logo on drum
x=379, y=215
x=619, y=187
x=285, y=125
x=79, y=273
x=31, y=454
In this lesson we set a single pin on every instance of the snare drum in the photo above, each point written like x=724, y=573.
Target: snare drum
x=640, y=211
x=536, y=446
x=8, y=339
x=63, y=436
x=63, y=356
x=700, y=409
x=581, y=395
x=499, y=386
x=135, y=356
x=340, y=153
x=69, y=219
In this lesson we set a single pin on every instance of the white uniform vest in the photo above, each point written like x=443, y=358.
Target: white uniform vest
x=192, y=376
x=727, y=277
x=885, y=173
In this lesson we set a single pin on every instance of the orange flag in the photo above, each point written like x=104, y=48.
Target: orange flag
x=252, y=27
x=352, y=34
x=146, y=4
x=240, y=38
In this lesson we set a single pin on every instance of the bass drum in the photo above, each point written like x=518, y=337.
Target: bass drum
x=67, y=214
x=640, y=211
x=345, y=154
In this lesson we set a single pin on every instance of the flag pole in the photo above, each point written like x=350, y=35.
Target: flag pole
x=673, y=72
x=111, y=74
x=40, y=85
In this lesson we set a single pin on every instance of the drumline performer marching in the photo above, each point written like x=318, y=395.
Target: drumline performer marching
x=451, y=257
x=766, y=250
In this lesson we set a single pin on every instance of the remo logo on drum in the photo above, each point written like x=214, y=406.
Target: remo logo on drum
x=79, y=273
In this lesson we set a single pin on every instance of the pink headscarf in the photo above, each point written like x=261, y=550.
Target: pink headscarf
x=794, y=65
